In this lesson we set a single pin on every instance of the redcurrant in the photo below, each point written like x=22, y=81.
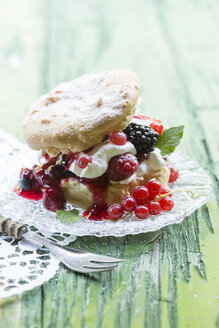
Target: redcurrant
x=174, y=173
x=140, y=194
x=166, y=203
x=115, y=212
x=83, y=160
x=154, y=208
x=141, y=212
x=129, y=204
x=154, y=188
x=118, y=138
x=165, y=191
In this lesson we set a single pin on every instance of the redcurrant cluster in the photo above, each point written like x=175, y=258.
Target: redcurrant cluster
x=146, y=200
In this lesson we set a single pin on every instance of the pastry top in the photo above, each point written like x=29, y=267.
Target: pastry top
x=79, y=114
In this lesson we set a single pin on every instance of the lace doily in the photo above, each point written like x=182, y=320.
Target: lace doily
x=23, y=266
x=14, y=155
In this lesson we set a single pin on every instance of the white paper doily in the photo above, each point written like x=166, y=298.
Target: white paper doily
x=23, y=266
x=14, y=155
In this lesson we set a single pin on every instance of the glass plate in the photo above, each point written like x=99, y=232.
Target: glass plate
x=14, y=155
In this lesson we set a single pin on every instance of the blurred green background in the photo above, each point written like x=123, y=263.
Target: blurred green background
x=171, y=45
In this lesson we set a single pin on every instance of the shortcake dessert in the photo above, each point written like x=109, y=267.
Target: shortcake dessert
x=95, y=152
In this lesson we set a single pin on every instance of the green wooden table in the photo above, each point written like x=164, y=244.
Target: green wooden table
x=174, y=48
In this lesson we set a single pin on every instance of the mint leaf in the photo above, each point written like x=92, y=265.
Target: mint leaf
x=67, y=216
x=170, y=139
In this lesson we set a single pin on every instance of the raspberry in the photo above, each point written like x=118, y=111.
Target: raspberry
x=165, y=191
x=122, y=167
x=83, y=160
x=166, y=203
x=174, y=173
x=154, y=208
x=115, y=212
x=154, y=188
x=129, y=204
x=157, y=127
x=118, y=138
x=141, y=212
x=144, y=138
x=140, y=194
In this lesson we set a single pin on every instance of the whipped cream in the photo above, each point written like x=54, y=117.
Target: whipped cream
x=101, y=155
x=104, y=151
x=154, y=162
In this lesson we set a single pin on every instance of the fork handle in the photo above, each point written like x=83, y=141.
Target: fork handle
x=12, y=228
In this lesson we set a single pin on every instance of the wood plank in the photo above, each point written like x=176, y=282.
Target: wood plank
x=156, y=288
x=20, y=63
x=169, y=26
x=183, y=72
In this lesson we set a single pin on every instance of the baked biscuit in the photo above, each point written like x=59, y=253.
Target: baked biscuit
x=78, y=194
x=78, y=114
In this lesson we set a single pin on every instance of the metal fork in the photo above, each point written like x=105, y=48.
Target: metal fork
x=74, y=259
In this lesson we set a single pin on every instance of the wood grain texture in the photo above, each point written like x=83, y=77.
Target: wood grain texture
x=174, y=48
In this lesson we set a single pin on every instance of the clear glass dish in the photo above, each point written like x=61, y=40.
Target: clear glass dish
x=14, y=155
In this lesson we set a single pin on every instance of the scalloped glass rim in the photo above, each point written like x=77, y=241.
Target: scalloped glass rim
x=15, y=155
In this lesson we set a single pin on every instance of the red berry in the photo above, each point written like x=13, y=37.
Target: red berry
x=166, y=203
x=158, y=127
x=56, y=172
x=96, y=213
x=27, y=179
x=129, y=204
x=154, y=188
x=115, y=212
x=43, y=179
x=154, y=208
x=53, y=199
x=174, y=173
x=141, y=212
x=140, y=194
x=118, y=138
x=142, y=117
x=122, y=167
x=83, y=160
x=165, y=191
x=146, y=118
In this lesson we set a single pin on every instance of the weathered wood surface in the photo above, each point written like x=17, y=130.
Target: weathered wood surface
x=174, y=47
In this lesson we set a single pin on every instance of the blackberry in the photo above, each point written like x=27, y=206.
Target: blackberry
x=144, y=138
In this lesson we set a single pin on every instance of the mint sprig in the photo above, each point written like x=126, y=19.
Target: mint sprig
x=67, y=216
x=169, y=140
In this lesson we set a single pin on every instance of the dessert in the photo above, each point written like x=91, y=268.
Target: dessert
x=97, y=154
